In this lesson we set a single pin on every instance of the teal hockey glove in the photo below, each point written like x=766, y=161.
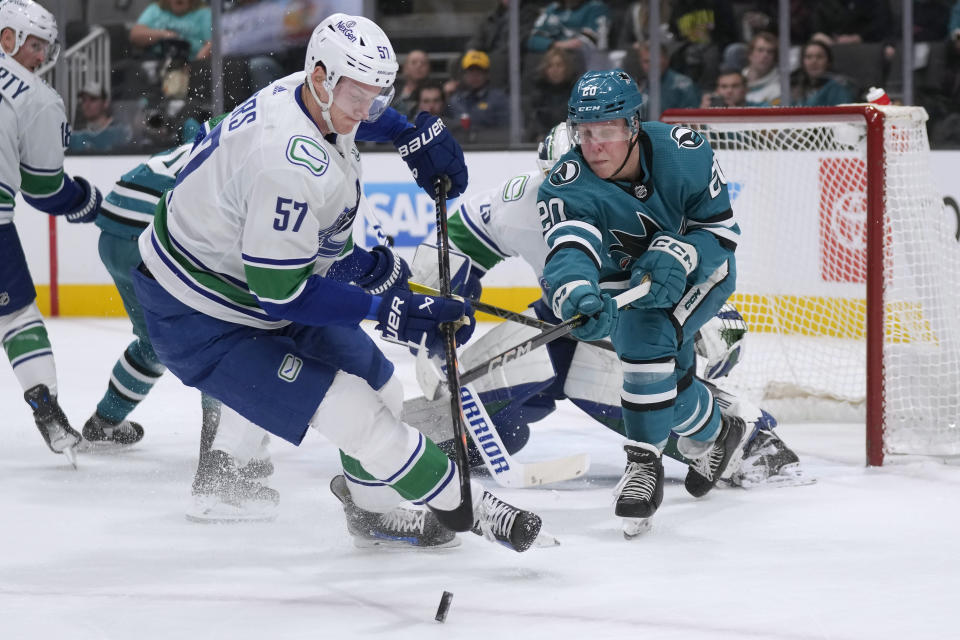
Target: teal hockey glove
x=669, y=261
x=585, y=298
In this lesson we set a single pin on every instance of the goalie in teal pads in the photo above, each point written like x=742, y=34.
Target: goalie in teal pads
x=631, y=201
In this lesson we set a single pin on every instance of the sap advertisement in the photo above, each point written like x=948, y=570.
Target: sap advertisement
x=404, y=211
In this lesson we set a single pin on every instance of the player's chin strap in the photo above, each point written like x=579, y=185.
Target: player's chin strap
x=324, y=106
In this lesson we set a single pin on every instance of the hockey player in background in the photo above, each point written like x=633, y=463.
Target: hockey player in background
x=33, y=135
x=252, y=294
x=503, y=222
x=633, y=201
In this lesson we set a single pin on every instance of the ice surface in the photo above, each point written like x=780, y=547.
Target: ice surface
x=105, y=552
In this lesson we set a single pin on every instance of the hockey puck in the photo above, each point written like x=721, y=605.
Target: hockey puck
x=444, y=607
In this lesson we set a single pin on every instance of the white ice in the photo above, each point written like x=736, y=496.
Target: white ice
x=105, y=551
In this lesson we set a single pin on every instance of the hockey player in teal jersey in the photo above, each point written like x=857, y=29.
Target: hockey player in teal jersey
x=634, y=200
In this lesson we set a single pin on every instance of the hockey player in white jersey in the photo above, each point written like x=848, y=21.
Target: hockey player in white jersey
x=503, y=222
x=33, y=135
x=252, y=293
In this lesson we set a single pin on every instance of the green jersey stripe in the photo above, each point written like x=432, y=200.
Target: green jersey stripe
x=468, y=243
x=36, y=185
x=277, y=285
x=33, y=339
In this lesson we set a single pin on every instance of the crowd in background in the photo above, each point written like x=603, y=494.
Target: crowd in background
x=714, y=54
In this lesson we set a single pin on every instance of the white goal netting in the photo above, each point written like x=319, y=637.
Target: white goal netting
x=799, y=189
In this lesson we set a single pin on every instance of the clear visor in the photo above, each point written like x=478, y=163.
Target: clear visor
x=35, y=45
x=361, y=101
x=599, y=132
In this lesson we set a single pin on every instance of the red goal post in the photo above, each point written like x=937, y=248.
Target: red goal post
x=848, y=272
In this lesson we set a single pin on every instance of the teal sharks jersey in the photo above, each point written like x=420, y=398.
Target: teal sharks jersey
x=596, y=229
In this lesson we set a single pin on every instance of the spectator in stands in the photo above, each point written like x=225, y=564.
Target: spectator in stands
x=430, y=98
x=413, y=73
x=813, y=84
x=493, y=36
x=954, y=26
x=636, y=30
x=677, y=91
x=581, y=25
x=546, y=103
x=762, y=73
x=731, y=91
x=477, y=107
x=174, y=20
x=851, y=21
x=703, y=28
x=944, y=105
x=95, y=128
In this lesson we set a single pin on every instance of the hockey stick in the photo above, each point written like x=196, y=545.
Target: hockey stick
x=429, y=377
x=506, y=314
x=461, y=518
x=431, y=418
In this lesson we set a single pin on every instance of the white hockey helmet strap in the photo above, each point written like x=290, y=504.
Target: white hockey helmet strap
x=353, y=47
x=27, y=18
x=556, y=143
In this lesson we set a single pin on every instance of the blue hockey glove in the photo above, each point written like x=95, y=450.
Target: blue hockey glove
x=669, y=261
x=89, y=204
x=429, y=150
x=585, y=298
x=405, y=318
x=389, y=271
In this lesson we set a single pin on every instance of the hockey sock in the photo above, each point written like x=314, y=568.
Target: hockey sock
x=28, y=349
x=133, y=375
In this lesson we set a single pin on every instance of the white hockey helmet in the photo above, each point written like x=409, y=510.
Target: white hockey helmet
x=27, y=18
x=352, y=47
x=556, y=143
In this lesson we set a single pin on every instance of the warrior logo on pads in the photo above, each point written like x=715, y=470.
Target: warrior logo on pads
x=566, y=172
x=686, y=138
x=290, y=368
x=307, y=152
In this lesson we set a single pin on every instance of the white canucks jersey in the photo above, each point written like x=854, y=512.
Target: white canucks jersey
x=33, y=135
x=502, y=222
x=263, y=203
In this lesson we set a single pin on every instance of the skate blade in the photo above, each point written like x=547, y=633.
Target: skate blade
x=545, y=540
x=214, y=511
x=102, y=447
x=634, y=527
x=71, y=455
x=790, y=475
x=399, y=545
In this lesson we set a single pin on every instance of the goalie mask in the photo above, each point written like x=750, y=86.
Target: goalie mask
x=27, y=18
x=360, y=65
x=555, y=144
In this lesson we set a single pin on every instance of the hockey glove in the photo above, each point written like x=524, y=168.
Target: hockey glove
x=405, y=318
x=585, y=298
x=88, y=206
x=389, y=271
x=669, y=261
x=430, y=151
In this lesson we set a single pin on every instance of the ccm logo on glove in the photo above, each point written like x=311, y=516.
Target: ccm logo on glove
x=421, y=140
x=685, y=253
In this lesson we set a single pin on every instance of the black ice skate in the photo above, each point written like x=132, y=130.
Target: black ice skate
x=768, y=461
x=500, y=522
x=221, y=494
x=640, y=490
x=401, y=527
x=103, y=435
x=52, y=422
x=727, y=449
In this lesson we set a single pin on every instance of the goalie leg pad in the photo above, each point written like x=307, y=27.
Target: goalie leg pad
x=355, y=418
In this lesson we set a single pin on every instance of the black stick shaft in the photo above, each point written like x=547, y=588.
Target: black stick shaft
x=463, y=517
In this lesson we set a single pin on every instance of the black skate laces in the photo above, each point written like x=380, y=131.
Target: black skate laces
x=638, y=482
x=495, y=517
x=404, y=520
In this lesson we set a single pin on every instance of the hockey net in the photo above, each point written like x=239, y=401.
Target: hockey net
x=848, y=271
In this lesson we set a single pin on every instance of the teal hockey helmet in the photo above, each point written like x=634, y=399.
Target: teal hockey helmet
x=599, y=96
